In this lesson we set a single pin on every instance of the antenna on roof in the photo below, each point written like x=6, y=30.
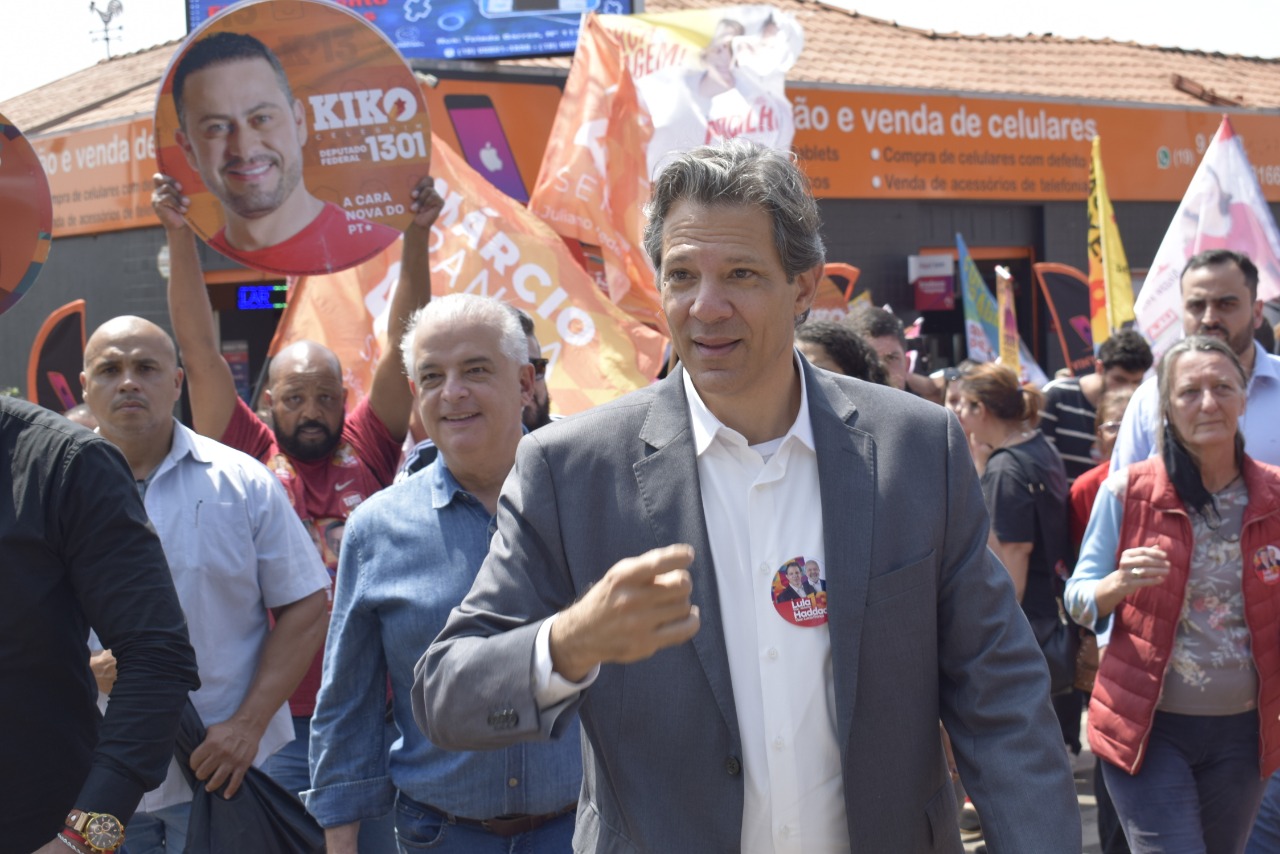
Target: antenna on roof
x=114, y=9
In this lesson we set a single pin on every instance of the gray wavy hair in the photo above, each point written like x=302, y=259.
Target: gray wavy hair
x=462, y=308
x=739, y=172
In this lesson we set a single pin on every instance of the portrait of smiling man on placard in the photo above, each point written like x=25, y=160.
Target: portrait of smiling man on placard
x=241, y=128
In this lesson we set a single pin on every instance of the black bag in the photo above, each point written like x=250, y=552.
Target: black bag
x=1059, y=638
x=260, y=818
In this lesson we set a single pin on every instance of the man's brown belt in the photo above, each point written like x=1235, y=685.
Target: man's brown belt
x=505, y=825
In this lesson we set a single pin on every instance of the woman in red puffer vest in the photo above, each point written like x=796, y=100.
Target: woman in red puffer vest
x=1180, y=567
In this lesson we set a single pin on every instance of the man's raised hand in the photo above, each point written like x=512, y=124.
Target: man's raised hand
x=640, y=606
x=169, y=203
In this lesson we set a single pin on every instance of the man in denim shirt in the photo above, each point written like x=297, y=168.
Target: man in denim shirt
x=409, y=555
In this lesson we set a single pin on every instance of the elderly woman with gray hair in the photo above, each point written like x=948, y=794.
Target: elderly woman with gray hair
x=1180, y=566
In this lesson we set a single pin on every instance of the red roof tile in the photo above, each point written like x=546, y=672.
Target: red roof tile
x=842, y=48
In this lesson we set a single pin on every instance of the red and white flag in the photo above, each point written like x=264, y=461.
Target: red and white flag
x=1223, y=209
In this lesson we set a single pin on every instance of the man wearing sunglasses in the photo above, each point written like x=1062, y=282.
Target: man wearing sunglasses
x=538, y=413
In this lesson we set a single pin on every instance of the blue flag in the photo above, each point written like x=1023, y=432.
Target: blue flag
x=982, y=321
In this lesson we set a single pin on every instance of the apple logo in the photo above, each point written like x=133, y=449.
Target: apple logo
x=489, y=157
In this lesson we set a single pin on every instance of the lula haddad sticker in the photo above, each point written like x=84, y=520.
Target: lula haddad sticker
x=297, y=131
x=799, y=592
x=26, y=215
x=1266, y=563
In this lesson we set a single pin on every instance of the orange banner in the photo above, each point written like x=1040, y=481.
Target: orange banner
x=485, y=243
x=592, y=185
x=875, y=145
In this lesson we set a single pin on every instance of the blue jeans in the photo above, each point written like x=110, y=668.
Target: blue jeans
x=1265, y=838
x=290, y=768
x=420, y=829
x=1110, y=833
x=1198, y=789
x=161, y=832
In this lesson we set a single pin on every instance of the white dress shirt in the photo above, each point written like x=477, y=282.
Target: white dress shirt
x=235, y=548
x=763, y=508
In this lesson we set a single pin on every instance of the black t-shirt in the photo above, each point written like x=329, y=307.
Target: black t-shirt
x=1067, y=423
x=1015, y=480
x=76, y=551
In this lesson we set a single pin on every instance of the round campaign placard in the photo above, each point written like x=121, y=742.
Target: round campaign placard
x=799, y=592
x=26, y=215
x=301, y=134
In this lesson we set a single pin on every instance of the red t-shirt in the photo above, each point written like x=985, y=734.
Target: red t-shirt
x=323, y=492
x=332, y=241
x=1083, y=491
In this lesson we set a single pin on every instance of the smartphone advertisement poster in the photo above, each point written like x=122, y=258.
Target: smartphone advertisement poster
x=464, y=29
x=26, y=215
x=298, y=133
x=484, y=143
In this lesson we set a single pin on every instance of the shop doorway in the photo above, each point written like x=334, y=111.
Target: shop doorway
x=945, y=329
x=247, y=306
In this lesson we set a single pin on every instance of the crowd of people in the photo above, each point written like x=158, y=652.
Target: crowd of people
x=795, y=596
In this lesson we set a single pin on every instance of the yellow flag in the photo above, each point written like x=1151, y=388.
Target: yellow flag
x=1110, y=286
x=1009, y=355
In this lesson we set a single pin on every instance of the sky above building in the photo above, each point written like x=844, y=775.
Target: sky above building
x=53, y=38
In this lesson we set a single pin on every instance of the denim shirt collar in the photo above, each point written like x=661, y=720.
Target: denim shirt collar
x=444, y=487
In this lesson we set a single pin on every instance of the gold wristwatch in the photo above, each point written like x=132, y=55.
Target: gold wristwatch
x=103, y=833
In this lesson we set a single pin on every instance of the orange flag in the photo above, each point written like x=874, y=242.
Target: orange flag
x=834, y=298
x=593, y=182
x=488, y=244
x=645, y=87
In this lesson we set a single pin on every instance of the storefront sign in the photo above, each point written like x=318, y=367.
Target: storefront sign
x=101, y=177
x=872, y=145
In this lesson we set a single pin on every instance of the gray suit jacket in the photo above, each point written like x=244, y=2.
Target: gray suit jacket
x=924, y=627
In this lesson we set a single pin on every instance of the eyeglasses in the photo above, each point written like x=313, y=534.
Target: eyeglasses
x=1111, y=428
x=539, y=368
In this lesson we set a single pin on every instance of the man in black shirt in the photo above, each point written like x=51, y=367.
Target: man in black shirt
x=1069, y=403
x=77, y=552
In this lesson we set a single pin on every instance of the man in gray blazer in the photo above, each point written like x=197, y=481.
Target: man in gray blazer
x=635, y=568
